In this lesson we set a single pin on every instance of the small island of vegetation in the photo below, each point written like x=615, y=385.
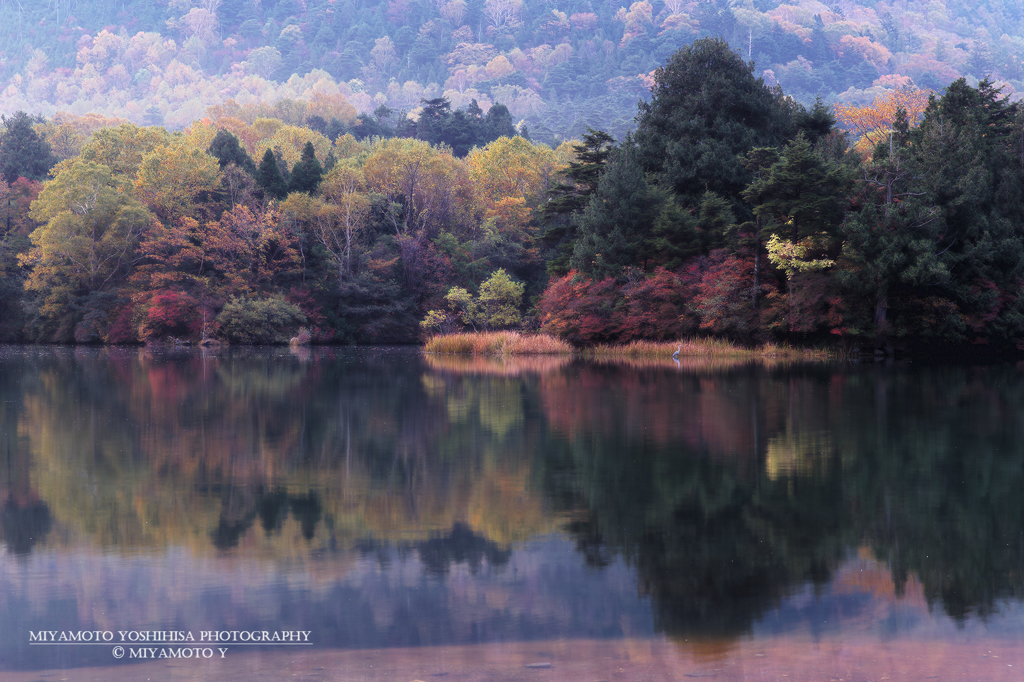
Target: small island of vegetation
x=508, y=343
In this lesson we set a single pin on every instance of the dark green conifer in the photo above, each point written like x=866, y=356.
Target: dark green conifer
x=708, y=110
x=615, y=229
x=499, y=123
x=226, y=149
x=269, y=177
x=802, y=190
x=22, y=152
x=307, y=172
x=571, y=196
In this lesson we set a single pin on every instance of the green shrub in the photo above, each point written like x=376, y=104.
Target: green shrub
x=259, y=321
x=497, y=307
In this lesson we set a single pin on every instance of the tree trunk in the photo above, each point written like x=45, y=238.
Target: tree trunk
x=757, y=261
x=789, y=301
x=881, y=323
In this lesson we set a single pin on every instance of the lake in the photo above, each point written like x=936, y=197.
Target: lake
x=423, y=518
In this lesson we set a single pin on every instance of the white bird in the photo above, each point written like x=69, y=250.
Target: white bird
x=675, y=356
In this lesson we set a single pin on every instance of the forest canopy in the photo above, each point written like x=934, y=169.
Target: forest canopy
x=560, y=66
x=731, y=210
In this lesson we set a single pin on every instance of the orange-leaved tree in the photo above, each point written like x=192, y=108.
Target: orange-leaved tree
x=249, y=250
x=510, y=173
x=873, y=123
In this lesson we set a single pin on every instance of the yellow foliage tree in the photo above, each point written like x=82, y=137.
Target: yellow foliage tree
x=347, y=146
x=873, y=123
x=173, y=175
x=263, y=128
x=344, y=187
x=509, y=174
x=122, y=149
x=90, y=229
x=290, y=140
x=511, y=167
x=427, y=188
x=68, y=133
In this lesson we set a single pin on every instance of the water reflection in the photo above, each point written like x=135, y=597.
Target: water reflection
x=387, y=499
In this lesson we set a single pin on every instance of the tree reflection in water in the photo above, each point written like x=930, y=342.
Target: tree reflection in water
x=726, y=489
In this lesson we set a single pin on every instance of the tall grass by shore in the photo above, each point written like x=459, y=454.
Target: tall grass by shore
x=515, y=343
x=497, y=343
x=705, y=347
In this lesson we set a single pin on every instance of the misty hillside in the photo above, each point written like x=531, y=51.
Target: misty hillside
x=558, y=65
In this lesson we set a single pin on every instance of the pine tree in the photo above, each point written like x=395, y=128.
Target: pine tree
x=269, y=177
x=498, y=123
x=23, y=154
x=226, y=148
x=802, y=190
x=615, y=228
x=969, y=150
x=572, y=195
x=707, y=111
x=890, y=245
x=307, y=172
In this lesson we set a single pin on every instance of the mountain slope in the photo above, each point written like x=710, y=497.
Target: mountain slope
x=560, y=66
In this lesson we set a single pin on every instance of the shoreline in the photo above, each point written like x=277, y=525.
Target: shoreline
x=481, y=344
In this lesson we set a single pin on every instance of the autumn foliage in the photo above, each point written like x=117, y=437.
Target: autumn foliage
x=584, y=310
x=171, y=314
x=750, y=221
x=873, y=123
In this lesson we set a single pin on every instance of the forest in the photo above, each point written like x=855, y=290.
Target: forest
x=730, y=210
x=560, y=66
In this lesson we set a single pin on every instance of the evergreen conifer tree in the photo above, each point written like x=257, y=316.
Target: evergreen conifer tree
x=226, y=149
x=615, y=228
x=307, y=172
x=23, y=154
x=572, y=195
x=707, y=111
x=269, y=177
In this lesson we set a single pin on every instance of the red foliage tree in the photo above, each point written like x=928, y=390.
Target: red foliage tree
x=583, y=310
x=651, y=307
x=720, y=297
x=579, y=309
x=172, y=314
x=123, y=329
x=315, y=319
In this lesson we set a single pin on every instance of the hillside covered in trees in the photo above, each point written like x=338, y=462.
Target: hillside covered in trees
x=559, y=66
x=731, y=210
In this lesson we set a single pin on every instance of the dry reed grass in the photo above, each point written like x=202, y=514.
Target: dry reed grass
x=506, y=343
x=497, y=343
x=705, y=348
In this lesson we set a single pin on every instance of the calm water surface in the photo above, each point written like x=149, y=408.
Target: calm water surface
x=470, y=518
